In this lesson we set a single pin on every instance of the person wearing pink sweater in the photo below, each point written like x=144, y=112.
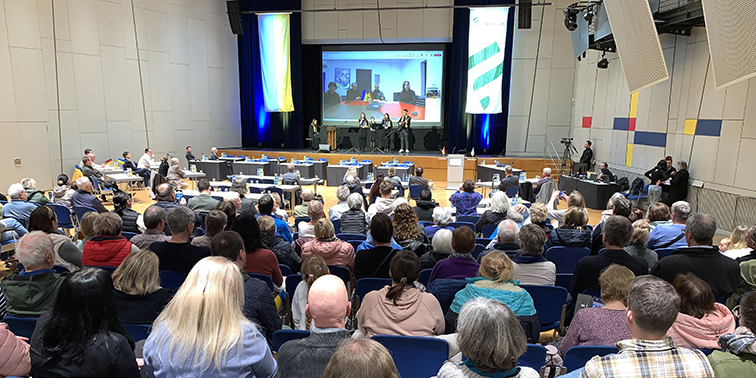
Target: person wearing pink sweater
x=701, y=320
x=15, y=359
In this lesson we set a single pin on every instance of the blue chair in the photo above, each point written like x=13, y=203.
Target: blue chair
x=566, y=259
x=301, y=219
x=415, y=356
x=664, y=252
x=478, y=249
x=351, y=237
x=255, y=190
x=292, y=281
x=343, y=273
x=97, y=189
x=414, y=191
x=638, y=197
x=366, y=285
x=199, y=231
x=426, y=224
x=283, y=335
x=368, y=185
x=217, y=198
x=171, y=280
x=483, y=241
x=23, y=327
x=336, y=226
x=468, y=218
x=488, y=230
x=285, y=270
x=128, y=235
x=63, y=215
x=81, y=210
x=548, y=301
x=457, y=225
x=295, y=236
x=355, y=244
x=511, y=191
x=534, y=357
x=264, y=278
x=577, y=356
x=138, y=331
x=424, y=277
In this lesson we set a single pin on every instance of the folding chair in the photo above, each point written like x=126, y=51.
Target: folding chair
x=414, y=191
x=488, y=230
x=366, y=285
x=415, y=356
x=81, y=210
x=534, y=357
x=63, y=214
x=512, y=191
x=550, y=303
x=336, y=226
x=577, y=356
x=292, y=281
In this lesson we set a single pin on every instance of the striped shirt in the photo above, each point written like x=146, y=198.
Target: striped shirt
x=650, y=359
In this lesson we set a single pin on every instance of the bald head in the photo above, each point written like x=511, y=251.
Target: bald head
x=327, y=302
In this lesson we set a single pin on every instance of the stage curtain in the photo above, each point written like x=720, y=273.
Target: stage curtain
x=487, y=133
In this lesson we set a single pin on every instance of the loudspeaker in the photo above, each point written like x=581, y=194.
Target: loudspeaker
x=524, y=14
x=234, y=17
x=730, y=31
x=324, y=148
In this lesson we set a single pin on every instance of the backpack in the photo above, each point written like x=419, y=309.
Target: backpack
x=623, y=183
x=637, y=187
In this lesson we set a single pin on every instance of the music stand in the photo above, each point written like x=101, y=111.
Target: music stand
x=353, y=130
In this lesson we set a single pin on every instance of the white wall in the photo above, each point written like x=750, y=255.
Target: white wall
x=166, y=70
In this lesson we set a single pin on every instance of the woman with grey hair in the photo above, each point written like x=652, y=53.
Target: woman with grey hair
x=442, y=249
x=353, y=220
x=497, y=213
x=492, y=339
x=175, y=174
x=441, y=219
x=239, y=185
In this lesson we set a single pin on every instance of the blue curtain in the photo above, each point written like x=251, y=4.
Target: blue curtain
x=487, y=133
x=260, y=128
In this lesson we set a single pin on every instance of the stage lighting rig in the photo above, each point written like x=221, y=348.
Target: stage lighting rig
x=573, y=10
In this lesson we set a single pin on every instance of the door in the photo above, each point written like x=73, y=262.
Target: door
x=364, y=80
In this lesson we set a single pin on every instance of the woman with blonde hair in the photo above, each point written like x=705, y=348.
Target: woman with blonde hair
x=574, y=232
x=408, y=232
x=637, y=244
x=312, y=269
x=326, y=245
x=203, y=332
x=737, y=247
x=86, y=229
x=138, y=294
x=361, y=358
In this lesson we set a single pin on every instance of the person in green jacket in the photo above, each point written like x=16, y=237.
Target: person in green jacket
x=738, y=355
x=32, y=194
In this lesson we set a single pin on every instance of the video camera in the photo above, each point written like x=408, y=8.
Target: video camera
x=566, y=140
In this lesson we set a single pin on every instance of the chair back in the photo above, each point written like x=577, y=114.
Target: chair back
x=351, y=237
x=264, y=278
x=549, y=302
x=171, y=280
x=23, y=327
x=544, y=193
x=577, y=356
x=355, y=244
x=468, y=218
x=424, y=277
x=457, y=225
x=534, y=357
x=138, y=331
x=566, y=258
x=292, y=280
x=664, y=252
x=511, y=191
x=81, y=210
x=63, y=215
x=336, y=226
x=415, y=356
x=343, y=273
x=478, y=249
x=483, y=241
x=301, y=219
x=199, y=231
x=488, y=230
x=128, y=235
x=414, y=191
x=283, y=335
x=285, y=270
x=366, y=285
x=217, y=198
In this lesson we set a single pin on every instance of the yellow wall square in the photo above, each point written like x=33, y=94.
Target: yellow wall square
x=629, y=156
x=634, y=104
x=690, y=127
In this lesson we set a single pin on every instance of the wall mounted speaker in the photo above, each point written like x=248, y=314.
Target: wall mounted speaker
x=731, y=31
x=524, y=14
x=234, y=17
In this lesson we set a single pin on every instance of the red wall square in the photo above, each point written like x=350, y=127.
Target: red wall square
x=587, y=122
x=631, y=126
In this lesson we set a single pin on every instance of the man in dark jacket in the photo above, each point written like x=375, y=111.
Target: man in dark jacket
x=88, y=171
x=585, y=159
x=621, y=207
x=83, y=197
x=506, y=240
x=258, y=300
x=701, y=258
x=425, y=206
x=129, y=164
x=509, y=180
x=678, y=186
x=418, y=179
x=327, y=306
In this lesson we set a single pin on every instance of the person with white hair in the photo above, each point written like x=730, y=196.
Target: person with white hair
x=32, y=194
x=505, y=241
x=214, y=153
x=18, y=208
x=671, y=235
x=546, y=177
x=499, y=206
x=83, y=197
x=441, y=219
x=290, y=177
x=175, y=174
x=342, y=194
x=353, y=220
x=442, y=249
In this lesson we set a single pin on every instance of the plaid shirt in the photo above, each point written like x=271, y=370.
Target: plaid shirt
x=651, y=359
x=466, y=203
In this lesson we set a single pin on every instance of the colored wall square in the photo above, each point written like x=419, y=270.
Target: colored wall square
x=631, y=124
x=629, y=155
x=634, y=104
x=709, y=127
x=690, y=127
x=587, y=122
x=646, y=138
x=621, y=124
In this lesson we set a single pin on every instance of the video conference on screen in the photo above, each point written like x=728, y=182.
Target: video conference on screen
x=380, y=82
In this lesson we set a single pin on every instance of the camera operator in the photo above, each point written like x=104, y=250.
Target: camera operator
x=585, y=159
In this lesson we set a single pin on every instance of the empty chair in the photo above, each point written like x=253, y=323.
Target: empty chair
x=511, y=191
x=171, y=280
x=64, y=216
x=283, y=335
x=414, y=191
x=415, y=356
x=566, y=259
x=548, y=301
x=577, y=356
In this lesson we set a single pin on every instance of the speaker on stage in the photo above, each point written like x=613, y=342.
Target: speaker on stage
x=234, y=17
x=524, y=14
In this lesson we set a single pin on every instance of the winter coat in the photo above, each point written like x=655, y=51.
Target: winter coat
x=106, y=251
x=414, y=314
x=569, y=237
x=333, y=251
x=16, y=360
x=689, y=332
x=283, y=250
x=424, y=210
x=353, y=222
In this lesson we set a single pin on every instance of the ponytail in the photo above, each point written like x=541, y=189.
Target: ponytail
x=405, y=268
x=394, y=292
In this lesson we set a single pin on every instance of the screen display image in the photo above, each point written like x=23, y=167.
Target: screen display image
x=380, y=82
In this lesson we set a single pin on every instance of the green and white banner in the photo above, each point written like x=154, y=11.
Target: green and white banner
x=485, y=67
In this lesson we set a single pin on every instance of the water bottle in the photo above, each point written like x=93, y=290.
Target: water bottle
x=259, y=171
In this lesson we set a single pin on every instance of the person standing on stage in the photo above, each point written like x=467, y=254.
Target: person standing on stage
x=377, y=93
x=404, y=124
x=330, y=97
x=407, y=95
x=585, y=159
x=363, y=131
x=373, y=127
x=387, y=126
x=314, y=131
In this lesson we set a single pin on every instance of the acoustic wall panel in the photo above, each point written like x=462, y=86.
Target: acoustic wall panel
x=731, y=31
x=637, y=43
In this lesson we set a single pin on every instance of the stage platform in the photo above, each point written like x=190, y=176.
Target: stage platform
x=433, y=163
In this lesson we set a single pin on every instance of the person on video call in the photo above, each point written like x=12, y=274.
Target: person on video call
x=330, y=97
x=377, y=93
x=353, y=93
x=407, y=96
x=315, y=133
x=404, y=124
x=363, y=130
x=387, y=125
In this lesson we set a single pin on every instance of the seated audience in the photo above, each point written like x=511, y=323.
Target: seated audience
x=258, y=259
x=290, y=177
x=326, y=245
x=63, y=191
x=701, y=320
x=724, y=243
x=401, y=309
x=166, y=198
x=18, y=208
x=177, y=254
x=622, y=207
x=203, y=203
x=335, y=212
x=15, y=351
x=531, y=267
x=374, y=262
x=700, y=258
x=407, y=230
x=284, y=252
x=32, y=194
x=750, y=243
x=442, y=249
x=605, y=325
x=35, y=252
x=203, y=331
x=353, y=183
x=138, y=295
x=265, y=206
x=495, y=281
x=546, y=178
x=509, y=179
x=460, y=264
x=506, y=240
x=175, y=174
x=490, y=336
x=314, y=212
x=538, y=217
x=11, y=229
x=327, y=308
x=738, y=246
x=375, y=189
x=418, y=179
x=393, y=177
x=610, y=206
x=424, y=206
x=300, y=211
x=129, y=164
x=365, y=357
x=82, y=197
x=215, y=223
x=239, y=185
x=86, y=229
x=229, y=208
x=637, y=244
x=82, y=335
x=575, y=199
x=278, y=210
x=466, y=199
x=617, y=231
x=659, y=213
x=574, y=232
x=313, y=268
x=652, y=306
x=441, y=219
x=154, y=221
x=259, y=306
x=384, y=204
x=671, y=235
x=132, y=221
x=353, y=220
x=738, y=355
x=499, y=207
x=108, y=247
x=66, y=254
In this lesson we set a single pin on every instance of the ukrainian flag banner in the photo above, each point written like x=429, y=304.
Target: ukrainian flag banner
x=485, y=65
x=275, y=62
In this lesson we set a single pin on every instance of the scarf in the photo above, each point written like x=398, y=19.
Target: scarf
x=742, y=341
x=499, y=374
x=463, y=256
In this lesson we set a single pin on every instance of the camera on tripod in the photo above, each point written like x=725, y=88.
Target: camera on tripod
x=566, y=140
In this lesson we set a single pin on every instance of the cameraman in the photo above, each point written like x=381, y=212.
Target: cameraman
x=585, y=160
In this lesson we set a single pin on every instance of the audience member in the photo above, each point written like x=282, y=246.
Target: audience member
x=17, y=208
x=214, y=155
x=229, y=208
x=374, y=262
x=215, y=223
x=189, y=155
x=671, y=235
x=491, y=338
x=290, y=177
x=284, y=252
x=659, y=213
x=327, y=305
x=239, y=185
x=531, y=267
x=175, y=174
x=610, y=206
x=300, y=211
x=15, y=352
x=138, y=295
x=32, y=194
x=278, y=210
x=442, y=249
x=538, y=217
x=353, y=220
x=86, y=229
x=329, y=247
x=166, y=198
x=604, y=325
x=701, y=320
x=314, y=212
x=82, y=336
x=418, y=179
x=637, y=244
x=724, y=243
x=259, y=306
x=66, y=254
x=177, y=254
x=738, y=246
x=750, y=243
x=401, y=309
x=738, y=355
x=383, y=205
x=375, y=189
x=652, y=306
x=164, y=165
x=546, y=178
x=353, y=183
x=407, y=230
x=108, y=247
x=132, y=221
x=621, y=206
x=88, y=170
x=146, y=159
x=203, y=331
x=498, y=212
x=509, y=179
x=678, y=185
x=575, y=199
x=258, y=259
x=35, y=252
x=424, y=206
x=574, y=232
x=203, y=202
x=466, y=199
x=143, y=172
x=393, y=177
x=82, y=197
x=460, y=264
x=265, y=206
x=63, y=192
x=441, y=219
x=700, y=258
x=154, y=221
x=506, y=240
x=313, y=268
x=335, y=212
x=11, y=229
x=361, y=358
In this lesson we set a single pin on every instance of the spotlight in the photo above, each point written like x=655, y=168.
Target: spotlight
x=570, y=18
x=603, y=63
x=589, y=14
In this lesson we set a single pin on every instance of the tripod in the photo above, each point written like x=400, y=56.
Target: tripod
x=569, y=149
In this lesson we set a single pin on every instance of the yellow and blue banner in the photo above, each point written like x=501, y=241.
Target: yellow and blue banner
x=275, y=64
x=485, y=65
